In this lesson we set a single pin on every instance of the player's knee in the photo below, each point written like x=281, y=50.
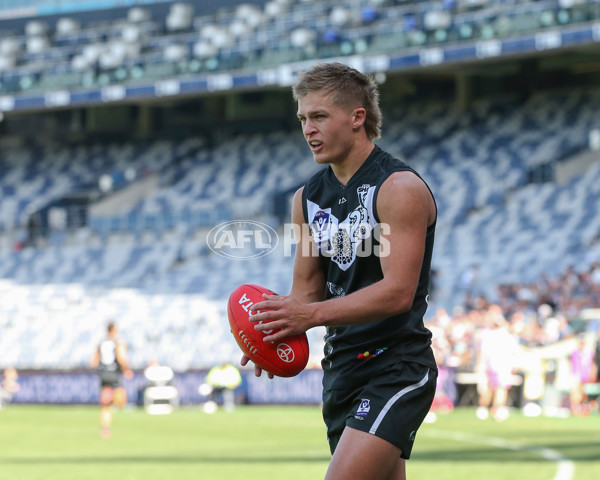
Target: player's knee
x=120, y=397
x=106, y=396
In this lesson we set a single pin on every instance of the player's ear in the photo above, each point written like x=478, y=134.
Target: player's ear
x=359, y=116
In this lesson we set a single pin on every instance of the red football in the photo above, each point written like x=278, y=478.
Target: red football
x=285, y=358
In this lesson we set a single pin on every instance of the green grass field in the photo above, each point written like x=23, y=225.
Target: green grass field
x=258, y=443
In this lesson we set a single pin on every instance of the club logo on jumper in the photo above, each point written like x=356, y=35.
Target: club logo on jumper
x=320, y=226
x=242, y=239
x=363, y=409
x=335, y=290
x=321, y=221
x=285, y=352
x=411, y=437
x=340, y=240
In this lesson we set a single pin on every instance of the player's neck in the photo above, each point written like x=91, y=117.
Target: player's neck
x=344, y=170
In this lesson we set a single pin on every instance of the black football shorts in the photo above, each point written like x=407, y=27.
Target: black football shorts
x=110, y=378
x=391, y=405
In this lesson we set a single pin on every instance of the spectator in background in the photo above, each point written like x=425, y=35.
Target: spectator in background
x=224, y=379
x=583, y=371
x=445, y=392
x=110, y=358
x=597, y=355
x=34, y=227
x=469, y=280
x=495, y=362
x=9, y=385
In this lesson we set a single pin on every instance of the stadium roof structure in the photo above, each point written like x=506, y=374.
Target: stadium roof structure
x=285, y=74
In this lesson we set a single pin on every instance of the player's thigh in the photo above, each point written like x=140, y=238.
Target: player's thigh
x=362, y=456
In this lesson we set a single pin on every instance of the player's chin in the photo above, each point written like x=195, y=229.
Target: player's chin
x=320, y=158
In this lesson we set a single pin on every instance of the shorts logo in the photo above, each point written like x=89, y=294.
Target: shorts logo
x=363, y=409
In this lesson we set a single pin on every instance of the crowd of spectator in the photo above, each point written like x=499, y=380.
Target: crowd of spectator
x=537, y=314
x=569, y=293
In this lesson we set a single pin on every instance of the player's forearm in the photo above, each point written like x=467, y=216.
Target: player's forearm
x=95, y=360
x=308, y=286
x=375, y=302
x=309, y=294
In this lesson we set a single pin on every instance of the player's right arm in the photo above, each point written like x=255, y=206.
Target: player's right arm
x=308, y=281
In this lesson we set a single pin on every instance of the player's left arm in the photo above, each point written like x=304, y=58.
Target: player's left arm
x=95, y=360
x=406, y=208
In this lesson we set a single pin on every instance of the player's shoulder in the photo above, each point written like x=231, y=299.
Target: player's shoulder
x=406, y=189
x=404, y=182
x=298, y=193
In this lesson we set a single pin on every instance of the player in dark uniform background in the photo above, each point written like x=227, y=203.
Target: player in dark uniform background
x=361, y=269
x=110, y=359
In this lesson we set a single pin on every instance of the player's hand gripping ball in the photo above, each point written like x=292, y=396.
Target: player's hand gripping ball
x=284, y=358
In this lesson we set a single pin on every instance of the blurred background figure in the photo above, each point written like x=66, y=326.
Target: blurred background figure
x=160, y=397
x=583, y=371
x=9, y=386
x=495, y=364
x=110, y=358
x=221, y=382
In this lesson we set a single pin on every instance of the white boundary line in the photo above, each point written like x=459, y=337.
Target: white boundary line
x=566, y=467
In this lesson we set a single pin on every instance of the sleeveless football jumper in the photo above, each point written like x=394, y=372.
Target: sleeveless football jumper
x=109, y=368
x=345, y=226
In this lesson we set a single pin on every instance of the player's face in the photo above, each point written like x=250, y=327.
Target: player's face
x=327, y=127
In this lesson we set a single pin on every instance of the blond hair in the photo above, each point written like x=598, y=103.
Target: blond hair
x=348, y=87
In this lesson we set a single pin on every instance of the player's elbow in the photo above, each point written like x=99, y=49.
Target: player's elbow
x=403, y=304
x=400, y=299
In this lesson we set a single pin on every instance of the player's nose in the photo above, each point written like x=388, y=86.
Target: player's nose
x=309, y=129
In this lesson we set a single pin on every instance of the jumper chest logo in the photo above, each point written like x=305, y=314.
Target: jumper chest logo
x=340, y=239
x=321, y=221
